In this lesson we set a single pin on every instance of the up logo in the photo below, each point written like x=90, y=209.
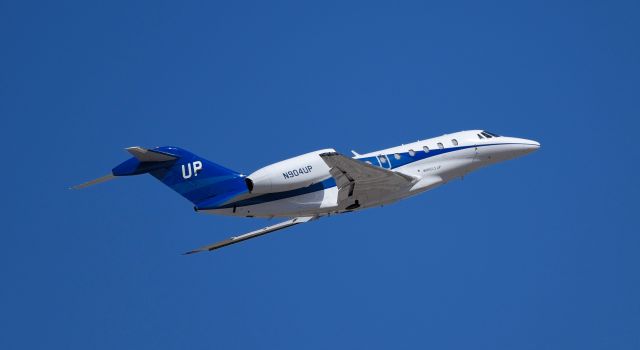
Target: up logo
x=191, y=169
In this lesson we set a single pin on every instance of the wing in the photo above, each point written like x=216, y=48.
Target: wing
x=360, y=183
x=253, y=234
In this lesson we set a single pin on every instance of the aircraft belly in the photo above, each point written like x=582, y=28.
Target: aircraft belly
x=309, y=203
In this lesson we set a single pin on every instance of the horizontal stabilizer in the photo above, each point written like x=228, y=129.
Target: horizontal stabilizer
x=253, y=234
x=147, y=155
x=93, y=182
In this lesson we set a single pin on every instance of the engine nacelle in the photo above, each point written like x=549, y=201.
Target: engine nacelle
x=297, y=172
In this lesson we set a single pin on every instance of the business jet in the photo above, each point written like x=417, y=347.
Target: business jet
x=320, y=183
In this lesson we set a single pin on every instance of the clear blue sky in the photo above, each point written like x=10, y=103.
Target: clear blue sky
x=538, y=253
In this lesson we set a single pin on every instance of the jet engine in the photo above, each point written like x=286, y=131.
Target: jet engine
x=290, y=174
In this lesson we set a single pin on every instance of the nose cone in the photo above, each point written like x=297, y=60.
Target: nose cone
x=520, y=147
x=528, y=146
x=509, y=148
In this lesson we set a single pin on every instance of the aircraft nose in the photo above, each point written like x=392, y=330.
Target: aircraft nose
x=508, y=148
x=512, y=148
x=528, y=146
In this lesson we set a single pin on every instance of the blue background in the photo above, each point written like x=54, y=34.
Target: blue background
x=539, y=252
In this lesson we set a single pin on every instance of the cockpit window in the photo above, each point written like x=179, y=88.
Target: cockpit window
x=480, y=136
x=490, y=133
x=486, y=134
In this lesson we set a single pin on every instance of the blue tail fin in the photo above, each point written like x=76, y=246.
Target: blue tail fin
x=204, y=183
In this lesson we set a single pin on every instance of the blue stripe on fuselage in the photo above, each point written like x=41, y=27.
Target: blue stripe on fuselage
x=270, y=197
x=406, y=158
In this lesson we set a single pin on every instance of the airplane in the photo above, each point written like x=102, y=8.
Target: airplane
x=320, y=183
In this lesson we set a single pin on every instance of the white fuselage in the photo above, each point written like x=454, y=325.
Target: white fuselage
x=303, y=186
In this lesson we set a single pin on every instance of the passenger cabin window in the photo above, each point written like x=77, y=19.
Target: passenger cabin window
x=396, y=156
x=368, y=162
x=440, y=145
x=426, y=149
x=382, y=159
x=455, y=142
x=412, y=152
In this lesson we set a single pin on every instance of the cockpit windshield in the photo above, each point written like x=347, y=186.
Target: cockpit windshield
x=490, y=133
